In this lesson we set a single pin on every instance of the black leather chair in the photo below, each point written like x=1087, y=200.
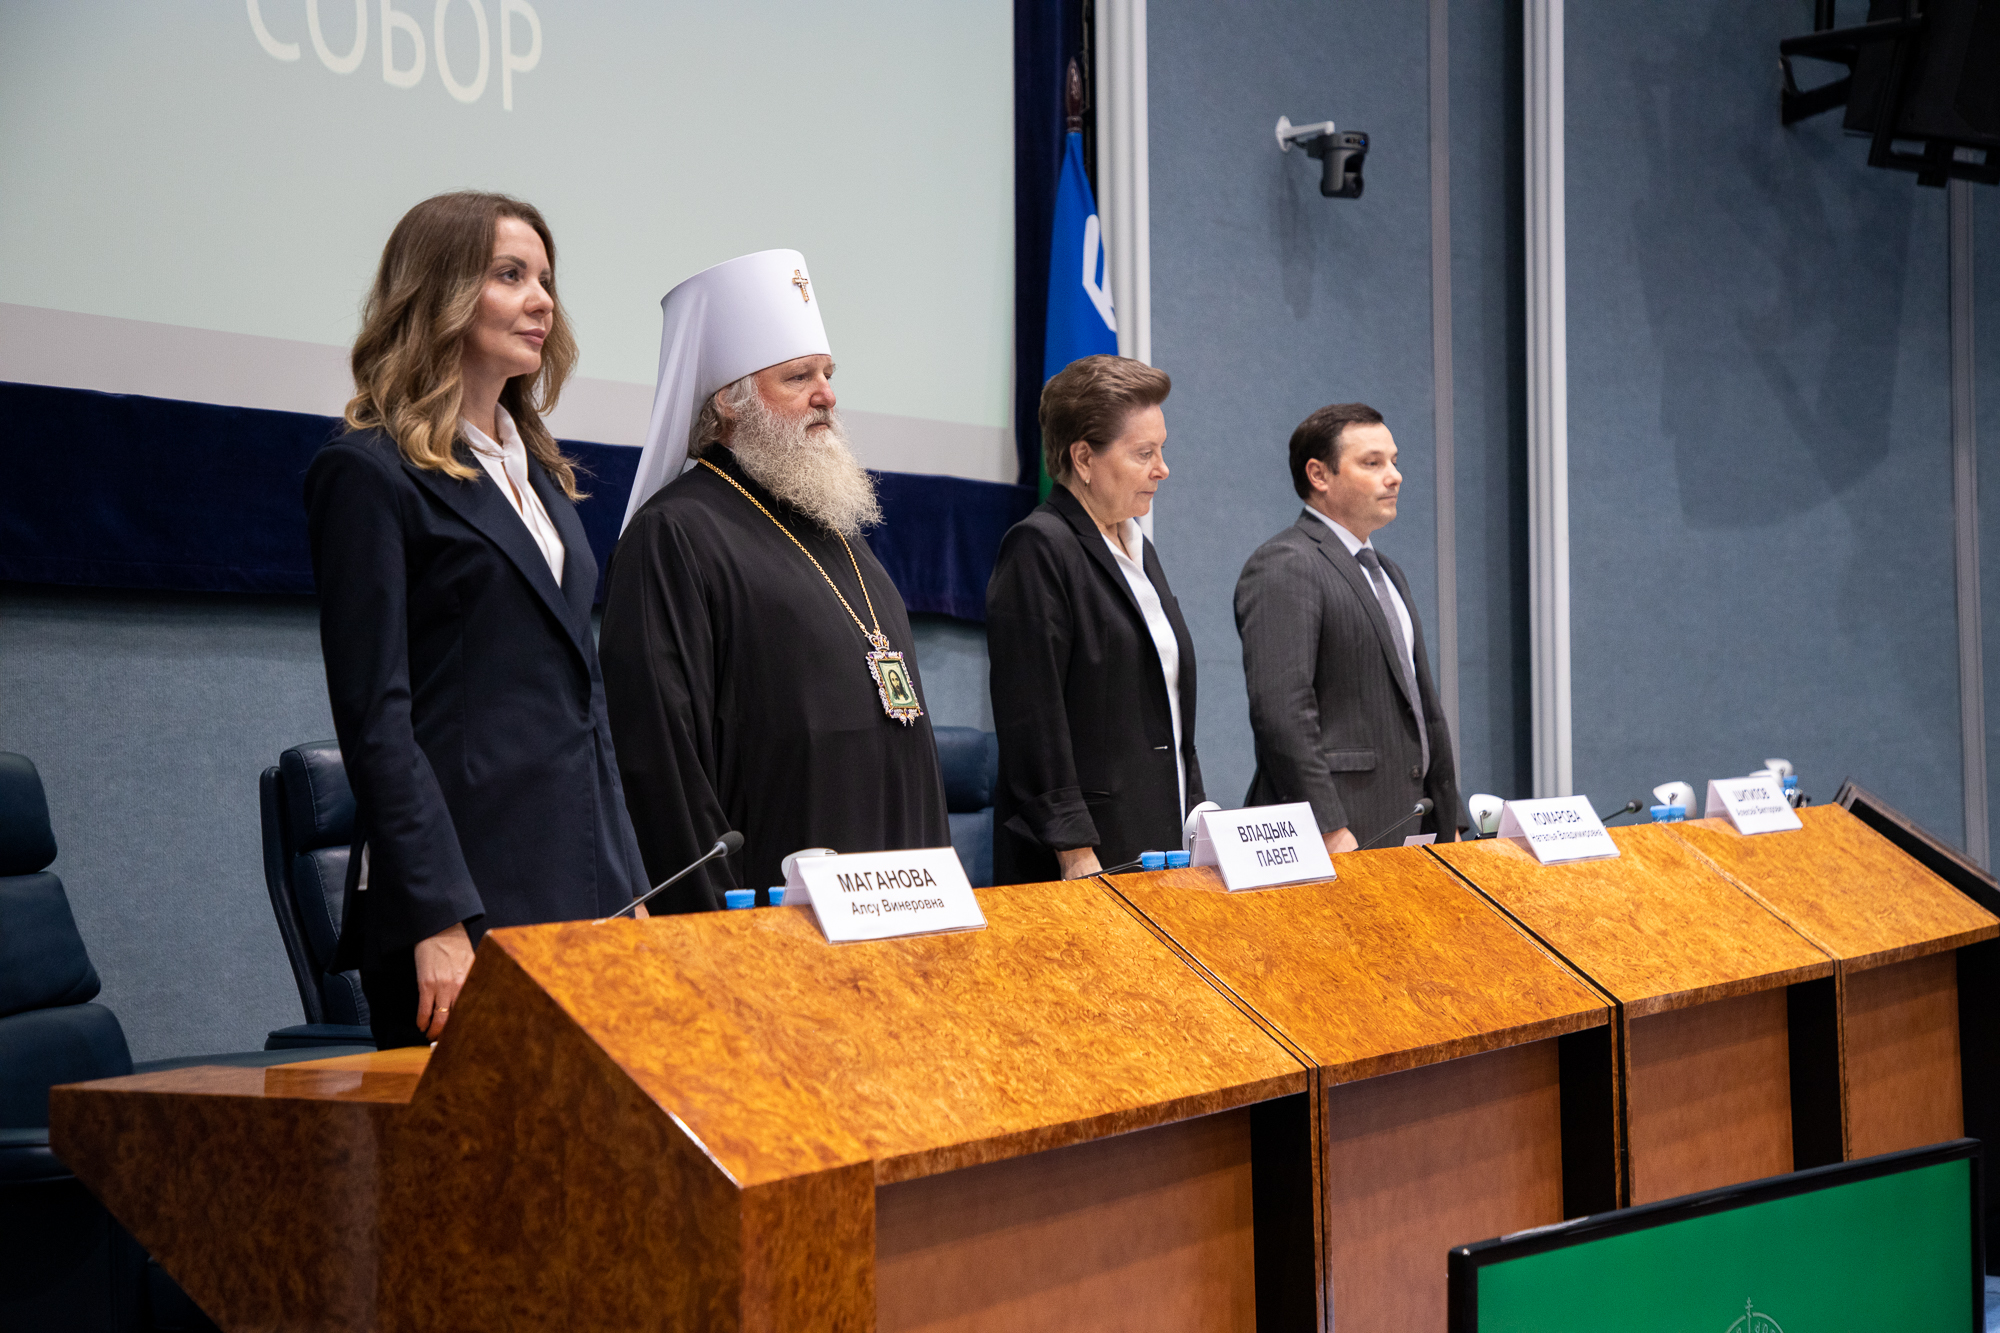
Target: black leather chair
x=65, y=1264
x=308, y=828
x=970, y=759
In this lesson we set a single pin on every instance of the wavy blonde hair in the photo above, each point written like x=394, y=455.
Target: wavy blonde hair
x=407, y=370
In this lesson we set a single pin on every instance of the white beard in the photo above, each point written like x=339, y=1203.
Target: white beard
x=813, y=471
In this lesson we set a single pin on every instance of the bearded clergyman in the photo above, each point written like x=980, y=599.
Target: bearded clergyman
x=757, y=660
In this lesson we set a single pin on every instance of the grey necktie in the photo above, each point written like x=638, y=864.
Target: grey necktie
x=1379, y=580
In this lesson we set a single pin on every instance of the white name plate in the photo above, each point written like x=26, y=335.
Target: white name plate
x=1754, y=805
x=1557, y=829
x=1262, y=847
x=882, y=895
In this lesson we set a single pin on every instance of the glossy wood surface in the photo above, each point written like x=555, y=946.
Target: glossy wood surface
x=675, y=1123
x=1658, y=926
x=1423, y=1160
x=1392, y=965
x=1845, y=887
x=1150, y=1230
x=1432, y=1020
x=1894, y=927
x=1900, y=1055
x=1708, y=1095
x=1063, y=1020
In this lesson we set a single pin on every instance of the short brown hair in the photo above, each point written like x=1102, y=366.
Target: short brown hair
x=1090, y=399
x=1318, y=436
x=406, y=359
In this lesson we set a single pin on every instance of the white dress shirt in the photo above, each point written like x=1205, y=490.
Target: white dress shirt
x=1162, y=630
x=507, y=463
x=1354, y=544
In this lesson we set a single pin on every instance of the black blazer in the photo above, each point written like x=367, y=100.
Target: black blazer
x=1332, y=717
x=1080, y=701
x=467, y=700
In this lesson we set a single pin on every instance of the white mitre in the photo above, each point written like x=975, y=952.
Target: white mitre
x=722, y=324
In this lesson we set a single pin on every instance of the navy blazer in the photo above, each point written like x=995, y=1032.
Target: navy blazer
x=467, y=700
x=1080, y=700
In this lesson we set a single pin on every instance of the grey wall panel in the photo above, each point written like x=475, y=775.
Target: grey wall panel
x=1270, y=301
x=150, y=718
x=1760, y=459
x=951, y=654
x=1986, y=390
x=1490, y=369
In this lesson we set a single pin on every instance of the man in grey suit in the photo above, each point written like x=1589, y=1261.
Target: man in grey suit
x=1341, y=701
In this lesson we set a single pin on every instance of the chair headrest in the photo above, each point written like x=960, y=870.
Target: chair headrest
x=319, y=805
x=27, y=843
x=42, y=959
x=970, y=759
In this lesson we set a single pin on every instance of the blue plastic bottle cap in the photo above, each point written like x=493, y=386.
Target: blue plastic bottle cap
x=1153, y=860
x=1792, y=782
x=735, y=898
x=1177, y=860
x=778, y=896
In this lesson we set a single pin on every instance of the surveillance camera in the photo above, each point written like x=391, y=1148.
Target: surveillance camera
x=1340, y=154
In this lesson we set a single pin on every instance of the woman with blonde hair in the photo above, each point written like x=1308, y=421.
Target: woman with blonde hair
x=455, y=589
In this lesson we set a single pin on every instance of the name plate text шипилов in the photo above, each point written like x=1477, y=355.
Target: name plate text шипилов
x=1263, y=847
x=882, y=895
x=1754, y=805
x=1557, y=828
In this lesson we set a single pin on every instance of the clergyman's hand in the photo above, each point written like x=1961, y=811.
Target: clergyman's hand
x=1338, y=841
x=442, y=962
x=1077, y=862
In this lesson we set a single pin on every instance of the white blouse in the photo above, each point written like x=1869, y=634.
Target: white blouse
x=507, y=462
x=1162, y=630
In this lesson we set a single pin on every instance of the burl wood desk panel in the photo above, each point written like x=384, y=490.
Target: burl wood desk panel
x=1893, y=929
x=702, y=1122
x=1433, y=1021
x=1700, y=971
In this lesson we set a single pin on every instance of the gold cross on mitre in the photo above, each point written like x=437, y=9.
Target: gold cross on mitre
x=801, y=281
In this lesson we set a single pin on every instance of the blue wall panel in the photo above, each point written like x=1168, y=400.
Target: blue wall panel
x=1270, y=301
x=1986, y=379
x=1490, y=402
x=150, y=716
x=1759, y=456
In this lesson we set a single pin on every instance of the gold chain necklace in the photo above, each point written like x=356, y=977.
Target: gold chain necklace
x=891, y=673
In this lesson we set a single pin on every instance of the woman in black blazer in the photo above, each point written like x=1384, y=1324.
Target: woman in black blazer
x=1092, y=671
x=455, y=586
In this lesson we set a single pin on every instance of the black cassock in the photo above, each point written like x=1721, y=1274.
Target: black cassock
x=740, y=695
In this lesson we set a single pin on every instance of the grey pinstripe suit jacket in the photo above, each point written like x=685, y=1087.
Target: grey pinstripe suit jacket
x=1333, y=722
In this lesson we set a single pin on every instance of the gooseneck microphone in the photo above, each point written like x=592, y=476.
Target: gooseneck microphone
x=1422, y=807
x=1629, y=808
x=728, y=844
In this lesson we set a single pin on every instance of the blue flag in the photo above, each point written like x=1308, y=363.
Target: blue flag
x=1081, y=322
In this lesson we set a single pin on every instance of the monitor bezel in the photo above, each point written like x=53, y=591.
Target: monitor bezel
x=1466, y=1261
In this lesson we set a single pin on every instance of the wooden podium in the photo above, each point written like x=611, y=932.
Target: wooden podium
x=1708, y=985
x=1436, y=1031
x=1894, y=931
x=721, y=1122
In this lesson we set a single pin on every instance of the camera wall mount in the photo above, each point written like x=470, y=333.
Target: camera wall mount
x=1339, y=153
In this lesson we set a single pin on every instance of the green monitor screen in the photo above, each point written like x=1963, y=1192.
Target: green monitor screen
x=1890, y=1242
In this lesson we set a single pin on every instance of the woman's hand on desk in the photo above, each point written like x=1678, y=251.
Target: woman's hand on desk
x=1077, y=862
x=442, y=962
